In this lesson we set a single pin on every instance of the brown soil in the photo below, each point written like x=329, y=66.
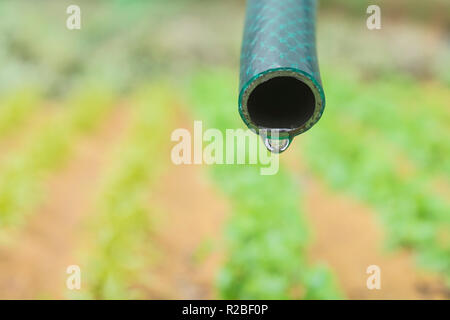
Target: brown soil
x=35, y=266
x=188, y=235
x=348, y=238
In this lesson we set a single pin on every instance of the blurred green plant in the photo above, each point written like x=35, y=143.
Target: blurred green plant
x=22, y=173
x=388, y=145
x=122, y=223
x=267, y=235
x=16, y=108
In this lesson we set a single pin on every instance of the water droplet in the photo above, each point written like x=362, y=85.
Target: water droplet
x=277, y=145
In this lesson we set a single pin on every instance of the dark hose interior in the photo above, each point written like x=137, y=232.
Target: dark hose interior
x=281, y=102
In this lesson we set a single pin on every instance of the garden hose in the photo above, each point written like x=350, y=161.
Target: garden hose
x=281, y=94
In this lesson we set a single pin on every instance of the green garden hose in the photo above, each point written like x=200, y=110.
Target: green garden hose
x=281, y=93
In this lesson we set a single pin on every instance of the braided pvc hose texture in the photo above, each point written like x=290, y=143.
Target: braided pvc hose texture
x=280, y=85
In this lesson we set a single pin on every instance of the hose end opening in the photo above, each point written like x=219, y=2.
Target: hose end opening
x=282, y=100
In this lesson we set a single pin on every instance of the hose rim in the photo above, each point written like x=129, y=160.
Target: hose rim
x=300, y=75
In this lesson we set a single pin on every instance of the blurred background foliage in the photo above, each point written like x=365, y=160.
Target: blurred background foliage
x=384, y=138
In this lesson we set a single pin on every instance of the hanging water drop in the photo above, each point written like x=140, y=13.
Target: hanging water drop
x=277, y=145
